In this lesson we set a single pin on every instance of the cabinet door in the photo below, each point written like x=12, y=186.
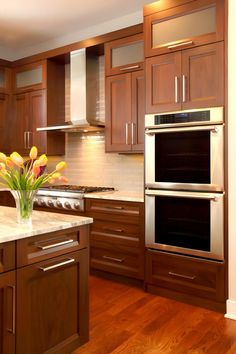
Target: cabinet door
x=170, y=28
x=138, y=110
x=5, y=79
x=163, y=83
x=20, y=125
x=203, y=76
x=30, y=77
x=7, y=313
x=118, y=113
x=5, y=128
x=52, y=305
x=38, y=118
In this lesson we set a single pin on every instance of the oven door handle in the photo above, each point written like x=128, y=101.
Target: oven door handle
x=180, y=194
x=212, y=128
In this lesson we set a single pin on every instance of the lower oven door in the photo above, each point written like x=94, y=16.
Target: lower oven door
x=185, y=222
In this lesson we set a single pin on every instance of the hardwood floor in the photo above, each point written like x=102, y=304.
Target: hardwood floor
x=125, y=319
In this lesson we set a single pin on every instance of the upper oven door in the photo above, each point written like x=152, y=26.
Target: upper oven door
x=185, y=158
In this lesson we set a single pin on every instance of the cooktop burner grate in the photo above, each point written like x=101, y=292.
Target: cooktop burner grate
x=79, y=189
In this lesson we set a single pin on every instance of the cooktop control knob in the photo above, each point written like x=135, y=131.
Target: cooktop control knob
x=67, y=205
x=42, y=202
x=77, y=206
x=50, y=203
x=59, y=204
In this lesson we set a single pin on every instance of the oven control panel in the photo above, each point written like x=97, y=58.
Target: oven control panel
x=59, y=203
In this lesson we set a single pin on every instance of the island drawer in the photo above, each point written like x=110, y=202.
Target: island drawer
x=45, y=246
x=7, y=256
x=188, y=275
x=118, y=259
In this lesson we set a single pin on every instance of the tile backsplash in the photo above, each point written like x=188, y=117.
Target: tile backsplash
x=88, y=164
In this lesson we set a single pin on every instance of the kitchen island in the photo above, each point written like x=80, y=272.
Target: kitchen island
x=43, y=283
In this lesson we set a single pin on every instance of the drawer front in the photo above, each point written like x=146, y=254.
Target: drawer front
x=7, y=256
x=113, y=207
x=42, y=247
x=121, y=260
x=119, y=233
x=185, y=274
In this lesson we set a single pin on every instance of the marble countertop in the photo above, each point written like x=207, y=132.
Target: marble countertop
x=117, y=195
x=42, y=222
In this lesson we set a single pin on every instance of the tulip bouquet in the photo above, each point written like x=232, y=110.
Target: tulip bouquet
x=23, y=178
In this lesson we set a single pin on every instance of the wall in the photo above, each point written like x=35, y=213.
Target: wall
x=231, y=303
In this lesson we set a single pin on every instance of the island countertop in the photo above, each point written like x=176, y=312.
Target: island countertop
x=42, y=223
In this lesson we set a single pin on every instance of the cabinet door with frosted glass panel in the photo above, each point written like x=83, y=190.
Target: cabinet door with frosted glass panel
x=30, y=77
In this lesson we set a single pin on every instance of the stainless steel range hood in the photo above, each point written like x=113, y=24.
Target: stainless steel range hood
x=86, y=94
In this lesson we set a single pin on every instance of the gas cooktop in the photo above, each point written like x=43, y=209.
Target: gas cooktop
x=78, y=189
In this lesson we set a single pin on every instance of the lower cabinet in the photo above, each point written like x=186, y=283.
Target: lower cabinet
x=7, y=313
x=117, y=237
x=44, y=302
x=189, y=279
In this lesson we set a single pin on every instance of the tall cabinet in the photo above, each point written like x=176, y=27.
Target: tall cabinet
x=38, y=100
x=125, y=95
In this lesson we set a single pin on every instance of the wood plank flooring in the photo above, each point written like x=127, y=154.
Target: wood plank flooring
x=126, y=320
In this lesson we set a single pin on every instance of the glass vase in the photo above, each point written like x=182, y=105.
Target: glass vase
x=24, y=200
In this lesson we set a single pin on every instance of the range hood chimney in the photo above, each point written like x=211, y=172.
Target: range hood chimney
x=86, y=105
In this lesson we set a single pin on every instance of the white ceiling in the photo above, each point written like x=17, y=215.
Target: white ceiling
x=28, y=26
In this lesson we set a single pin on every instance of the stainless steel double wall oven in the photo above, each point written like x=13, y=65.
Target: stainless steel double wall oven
x=184, y=182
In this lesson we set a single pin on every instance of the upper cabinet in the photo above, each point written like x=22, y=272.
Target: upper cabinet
x=5, y=79
x=30, y=77
x=169, y=27
x=124, y=55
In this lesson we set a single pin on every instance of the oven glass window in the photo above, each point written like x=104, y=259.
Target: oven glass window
x=183, y=157
x=183, y=222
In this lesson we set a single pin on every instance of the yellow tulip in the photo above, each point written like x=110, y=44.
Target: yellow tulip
x=51, y=180
x=2, y=166
x=42, y=160
x=2, y=157
x=33, y=153
x=17, y=159
x=9, y=162
x=63, y=179
x=61, y=166
x=56, y=175
x=36, y=170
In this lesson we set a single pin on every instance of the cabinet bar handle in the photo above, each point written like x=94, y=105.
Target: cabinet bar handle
x=181, y=276
x=184, y=88
x=172, y=46
x=57, y=265
x=115, y=207
x=13, y=329
x=130, y=67
x=114, y=230
x=132, y=133
x=119, y=260
x=176, y=89
x=61, y=243
x=25, y=140
x=126, y=133
x=28, y=140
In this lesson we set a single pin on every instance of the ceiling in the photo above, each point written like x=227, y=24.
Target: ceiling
x=31, y=23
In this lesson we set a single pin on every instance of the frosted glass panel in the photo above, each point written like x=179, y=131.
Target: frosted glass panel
x=187, y=26
x=29, y=77
x=2, y=78
x=128, y=54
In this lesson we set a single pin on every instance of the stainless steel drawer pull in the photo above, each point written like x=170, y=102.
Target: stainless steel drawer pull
x=181, y=276
x=115, y=207
x=184, y=88
x=61, y=243
x=172, y=46
x=126, y=133
x=113, y=230
x=13, y=329
x=57, y=265
x=130, y=67
x=119, y=260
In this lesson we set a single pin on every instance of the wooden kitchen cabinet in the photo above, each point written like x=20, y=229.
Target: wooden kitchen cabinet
x=124, y=55
x=5, y=79
x=185, y=278
x=7, y=312
x=192, y=78
x=170, y=26
x=38, y=101
x=5, y=102
x=117, y=237
x=52, y=292
x=125, y=109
